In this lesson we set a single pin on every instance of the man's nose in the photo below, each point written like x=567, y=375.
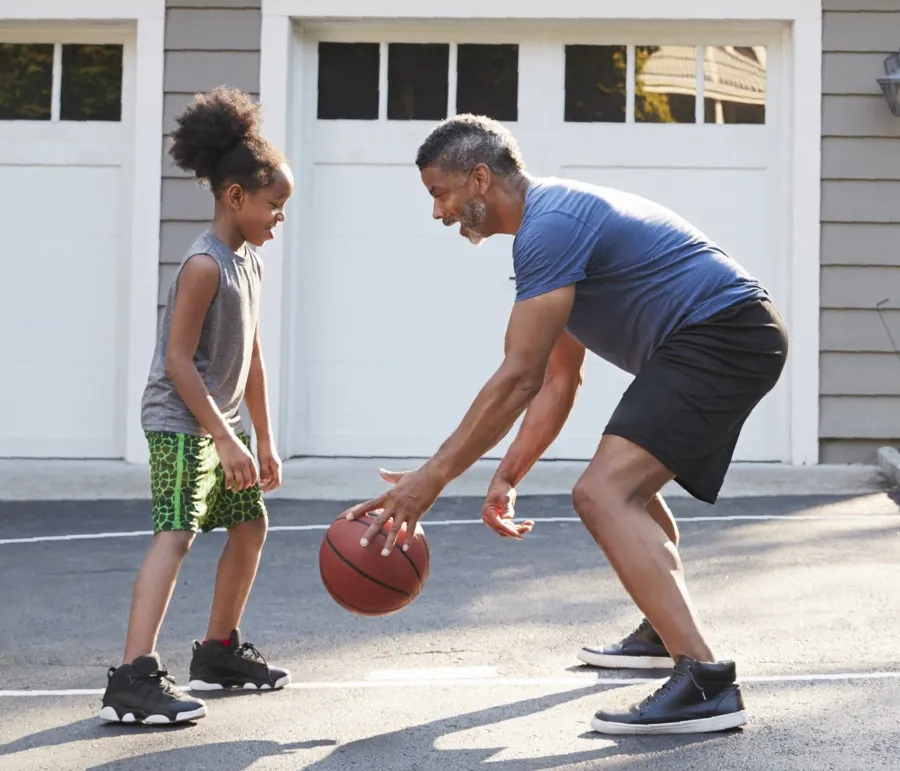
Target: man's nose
x=438, y=213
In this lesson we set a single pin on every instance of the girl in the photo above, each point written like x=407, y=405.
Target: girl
x=202, y=473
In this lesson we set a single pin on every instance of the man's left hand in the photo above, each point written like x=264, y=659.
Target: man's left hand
x=405, y=503
x=500, y=508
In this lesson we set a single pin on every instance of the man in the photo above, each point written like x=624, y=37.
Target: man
x=605, y=271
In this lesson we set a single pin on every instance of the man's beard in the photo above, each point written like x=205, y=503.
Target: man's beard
x=471, y=216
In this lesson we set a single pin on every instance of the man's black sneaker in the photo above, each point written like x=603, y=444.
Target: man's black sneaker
x=642, y=649
x=697, y=698
x=143, y=692
x=217, y=665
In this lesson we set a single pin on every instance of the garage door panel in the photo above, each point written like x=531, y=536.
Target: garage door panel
x=64, y=287
x=58, y=336
x=361, y=142
x=408, y=280
x=380, y=404
x=52, y=401
x=67, y=202
x=670, y=146
x=73, y=144
x=400, y=333
x=373, y=200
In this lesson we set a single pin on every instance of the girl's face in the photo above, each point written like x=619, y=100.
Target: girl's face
x=257, y=212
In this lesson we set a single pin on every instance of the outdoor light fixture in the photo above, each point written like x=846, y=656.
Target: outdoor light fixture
x=891, y=83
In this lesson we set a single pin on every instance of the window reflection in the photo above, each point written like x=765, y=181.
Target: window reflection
x=665, y=84
x=26, y=81
x=91, y=86
x=595, y=84
x=734, y=84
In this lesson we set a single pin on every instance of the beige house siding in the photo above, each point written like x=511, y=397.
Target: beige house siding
x=208, y=43
x=860, y=372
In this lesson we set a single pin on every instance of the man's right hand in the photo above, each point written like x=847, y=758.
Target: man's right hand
x=500, y=508
x=237, y=462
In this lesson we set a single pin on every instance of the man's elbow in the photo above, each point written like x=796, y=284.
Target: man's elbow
x=578, y=379
x=566, y=375
x=526, y=381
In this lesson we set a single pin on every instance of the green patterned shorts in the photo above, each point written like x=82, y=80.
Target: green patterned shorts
x=187, y=483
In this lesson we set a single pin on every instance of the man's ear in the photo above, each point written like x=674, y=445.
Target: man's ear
x=482, y=177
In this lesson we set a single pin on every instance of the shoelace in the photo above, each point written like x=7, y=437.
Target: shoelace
x=249, y=651
x=677, y=677
x=160, y=676
x=643, y=627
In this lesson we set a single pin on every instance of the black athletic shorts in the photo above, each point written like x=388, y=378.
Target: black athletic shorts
x=688, y=404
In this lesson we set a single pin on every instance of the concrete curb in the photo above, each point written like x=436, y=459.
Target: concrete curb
x=358, y=479
x=889, y=460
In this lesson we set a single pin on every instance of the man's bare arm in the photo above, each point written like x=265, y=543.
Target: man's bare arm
x=535, y=325
x=548, y=413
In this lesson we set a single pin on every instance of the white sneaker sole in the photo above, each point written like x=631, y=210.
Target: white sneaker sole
x=109, y=715
x=202, y=685
x=606, y=661
x=706, y=725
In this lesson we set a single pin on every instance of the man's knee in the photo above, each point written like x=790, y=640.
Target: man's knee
x=598, y=497
x=611, y=489
x=621, y=474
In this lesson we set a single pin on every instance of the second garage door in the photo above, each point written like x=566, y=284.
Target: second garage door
x=397, y=321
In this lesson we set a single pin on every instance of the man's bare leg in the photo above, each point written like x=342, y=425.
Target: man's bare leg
x=611, y=498
x=642, y=648
x=662, y=515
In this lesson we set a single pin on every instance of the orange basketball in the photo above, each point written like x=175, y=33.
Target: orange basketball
x=360, y=579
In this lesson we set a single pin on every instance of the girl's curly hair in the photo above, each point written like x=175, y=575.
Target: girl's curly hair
x=218, y=140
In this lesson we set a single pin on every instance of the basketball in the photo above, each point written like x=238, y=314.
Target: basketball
x=360, y=579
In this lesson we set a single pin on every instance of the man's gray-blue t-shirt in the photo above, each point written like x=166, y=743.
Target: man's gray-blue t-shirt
x=641, y=271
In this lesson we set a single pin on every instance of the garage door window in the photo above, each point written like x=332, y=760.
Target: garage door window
x=487, y=81
x=665, y=84
x=348, y=81
x=417, y=81
x=731, y=90
x=734, y=84
x=26, y=81
x=595, y=84
x=61, y=82
x=425, y=81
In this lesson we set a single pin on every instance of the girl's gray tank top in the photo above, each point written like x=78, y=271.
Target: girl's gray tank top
x=225, y=348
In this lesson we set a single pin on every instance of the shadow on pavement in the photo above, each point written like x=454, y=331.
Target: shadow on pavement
x=409, y=748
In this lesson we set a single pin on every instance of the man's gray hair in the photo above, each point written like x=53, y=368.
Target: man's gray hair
x=460, y=143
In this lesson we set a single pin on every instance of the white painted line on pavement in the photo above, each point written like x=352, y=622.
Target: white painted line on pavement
x=432, y=674
x=450, y=522
x=75, y=537
x=570, y=681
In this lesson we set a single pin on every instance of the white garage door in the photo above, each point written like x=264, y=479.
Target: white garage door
x=60, y=176
x=398, y=321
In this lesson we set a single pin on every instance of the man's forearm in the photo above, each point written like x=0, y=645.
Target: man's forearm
x=492, y=414
x=256, y=397
x=545, y=417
